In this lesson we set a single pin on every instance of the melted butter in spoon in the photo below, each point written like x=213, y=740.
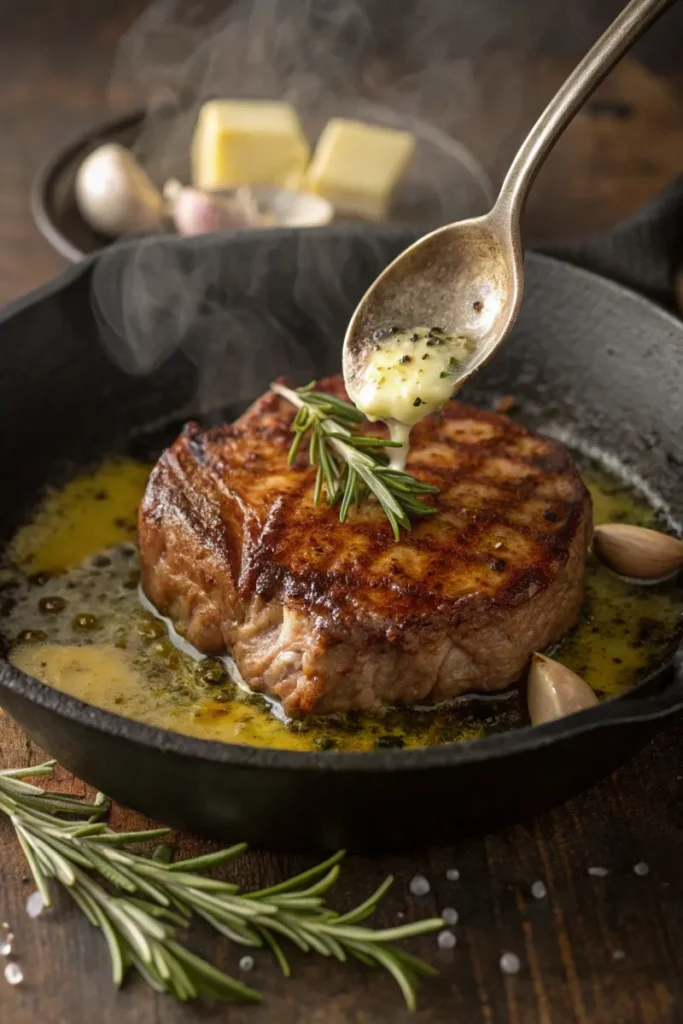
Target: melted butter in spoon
x=409, y=374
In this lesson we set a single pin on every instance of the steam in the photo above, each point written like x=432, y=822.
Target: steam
x=202, y=298
x=387, y=62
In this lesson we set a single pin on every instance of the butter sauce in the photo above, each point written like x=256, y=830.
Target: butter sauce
x=408, y=374
x=70, y=615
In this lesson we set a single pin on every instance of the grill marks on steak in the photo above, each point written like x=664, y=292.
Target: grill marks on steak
x=333, y=617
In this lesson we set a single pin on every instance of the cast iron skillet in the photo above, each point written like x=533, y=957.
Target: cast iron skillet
x=587, y=354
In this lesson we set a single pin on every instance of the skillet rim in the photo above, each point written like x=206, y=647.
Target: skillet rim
x=621, y=710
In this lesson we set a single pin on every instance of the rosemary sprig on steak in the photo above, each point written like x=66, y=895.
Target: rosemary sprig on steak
x=351, y=466
x=143, y=905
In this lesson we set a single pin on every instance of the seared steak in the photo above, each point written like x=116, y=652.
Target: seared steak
x=331, y=617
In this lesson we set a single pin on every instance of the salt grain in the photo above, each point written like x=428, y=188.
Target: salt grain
x=14, y=974
x=5, y=948
x=5, y=924
x=598, y=872
x=419, y=886
x=446, y=940
x=641, y=868
x=450, y=915
x=510, y=963
x=246, y=963
x=538, y=890
x=452, y=875
x=35, y=904
x=618, y=954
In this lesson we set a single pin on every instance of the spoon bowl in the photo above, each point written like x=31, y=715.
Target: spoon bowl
x=466, y=278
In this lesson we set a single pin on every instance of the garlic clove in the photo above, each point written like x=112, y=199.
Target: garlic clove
x=637, y=552
x=115, y=195
x=198, y=213
x=554, y=691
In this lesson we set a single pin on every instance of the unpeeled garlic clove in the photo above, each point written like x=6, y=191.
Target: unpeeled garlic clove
x=198, y=213
x=115, y=195
x=637, y=552
x=554, y=691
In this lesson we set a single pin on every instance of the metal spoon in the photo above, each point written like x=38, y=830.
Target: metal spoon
x=468, y=277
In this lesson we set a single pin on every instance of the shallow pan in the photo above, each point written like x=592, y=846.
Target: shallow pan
x=78, y=378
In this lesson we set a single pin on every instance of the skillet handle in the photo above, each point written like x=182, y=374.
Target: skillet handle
x=645, y=252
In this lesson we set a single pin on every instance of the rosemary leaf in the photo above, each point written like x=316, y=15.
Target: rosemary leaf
x=278, y=952
x=351, y=466
x=123, y=838
x=296, y=880
x=140, y=902
x=363, y=910
x=208, y=860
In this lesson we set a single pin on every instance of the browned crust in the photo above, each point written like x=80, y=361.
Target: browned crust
x=237, y=501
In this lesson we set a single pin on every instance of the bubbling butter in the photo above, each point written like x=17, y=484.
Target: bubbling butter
x=409, y=374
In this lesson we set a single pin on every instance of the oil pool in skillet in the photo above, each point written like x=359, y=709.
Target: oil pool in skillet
x=72, y=618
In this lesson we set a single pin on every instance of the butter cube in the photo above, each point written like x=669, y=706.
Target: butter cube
x=356, y=165
x=248, y=142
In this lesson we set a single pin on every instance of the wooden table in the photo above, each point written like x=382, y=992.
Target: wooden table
x=601, y=950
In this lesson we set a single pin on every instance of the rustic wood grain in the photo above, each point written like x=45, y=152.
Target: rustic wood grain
x=53, y=84
x=566, y=941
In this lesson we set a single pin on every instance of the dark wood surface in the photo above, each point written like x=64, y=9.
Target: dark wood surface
x=54, y=75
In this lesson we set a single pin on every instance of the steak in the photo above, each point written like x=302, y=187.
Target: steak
x=332, y=617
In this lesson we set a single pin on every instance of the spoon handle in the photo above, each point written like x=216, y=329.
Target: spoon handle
x=635, y=18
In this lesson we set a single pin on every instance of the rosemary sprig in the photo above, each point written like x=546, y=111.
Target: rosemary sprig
x=142, y=903
x=350, y=466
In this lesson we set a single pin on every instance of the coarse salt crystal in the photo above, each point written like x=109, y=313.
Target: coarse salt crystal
x=510, y=963
x=452, y=875
x=35, y=904
x=598, y=872
x=446, y=940
x=5, y=948
x=538, y=890
x=14, y=974
x=419, y=886
x=641, y=868
x=450, y=915
x=246, y=963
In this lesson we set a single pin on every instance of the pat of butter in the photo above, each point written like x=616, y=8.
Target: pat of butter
x=410, y=374
x=356, y=165
x=248, y=142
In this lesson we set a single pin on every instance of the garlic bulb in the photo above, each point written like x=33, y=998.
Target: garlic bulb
x=554, y=691
x=115, y=195
x=198, y=213
x=637, y=552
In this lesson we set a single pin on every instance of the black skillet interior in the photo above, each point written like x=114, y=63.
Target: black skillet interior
x=143, y=334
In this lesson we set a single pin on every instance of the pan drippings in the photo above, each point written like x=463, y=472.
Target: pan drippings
x=71, y=617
